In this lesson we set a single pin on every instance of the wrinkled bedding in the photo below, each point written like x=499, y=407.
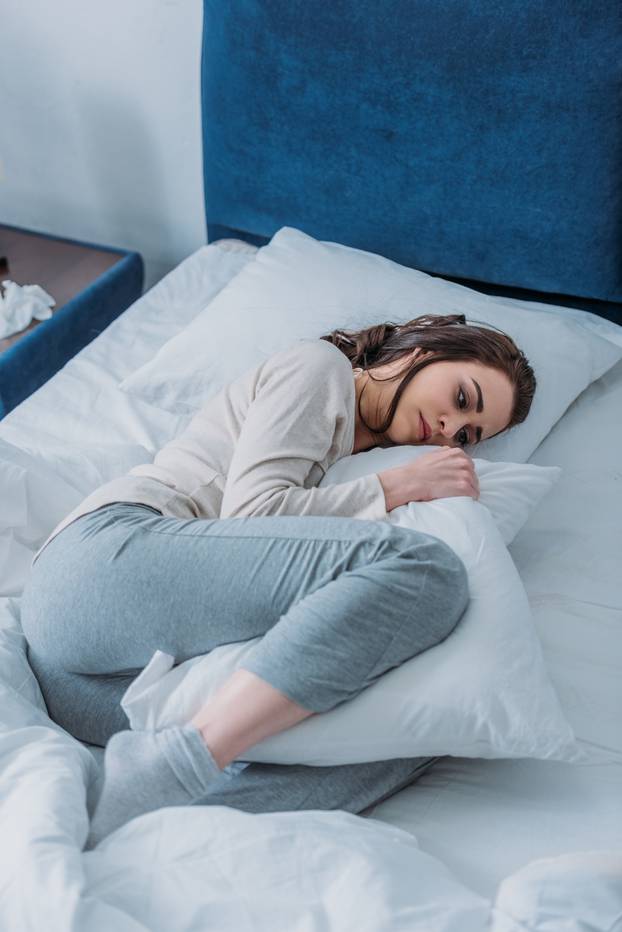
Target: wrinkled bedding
x=472, y=845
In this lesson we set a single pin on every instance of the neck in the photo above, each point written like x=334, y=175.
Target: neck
x=363, y=439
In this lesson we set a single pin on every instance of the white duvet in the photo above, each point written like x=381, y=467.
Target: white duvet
x=204, y=867
x=218, y=868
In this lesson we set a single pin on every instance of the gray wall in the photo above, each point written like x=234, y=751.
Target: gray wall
x=100, y=135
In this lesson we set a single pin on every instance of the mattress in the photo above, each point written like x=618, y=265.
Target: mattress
x=473, y=823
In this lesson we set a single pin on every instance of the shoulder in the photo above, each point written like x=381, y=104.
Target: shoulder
x=309, y=358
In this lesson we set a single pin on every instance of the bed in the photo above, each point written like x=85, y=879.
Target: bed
x=322, y=122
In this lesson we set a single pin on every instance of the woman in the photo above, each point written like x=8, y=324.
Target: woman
x=340, y=598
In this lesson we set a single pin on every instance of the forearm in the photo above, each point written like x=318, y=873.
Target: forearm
x=361, y=498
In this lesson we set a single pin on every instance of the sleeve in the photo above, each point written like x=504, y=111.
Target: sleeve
x=295, y=418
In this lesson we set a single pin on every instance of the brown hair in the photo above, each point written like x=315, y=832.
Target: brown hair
x=450, y=337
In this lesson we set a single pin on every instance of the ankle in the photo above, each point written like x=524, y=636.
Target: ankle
x=219, y=749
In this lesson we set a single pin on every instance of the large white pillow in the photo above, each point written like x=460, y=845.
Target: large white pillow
x=483, y=692
x=298, y=287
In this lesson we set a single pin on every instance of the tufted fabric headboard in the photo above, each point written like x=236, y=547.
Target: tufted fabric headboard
x=477, y=141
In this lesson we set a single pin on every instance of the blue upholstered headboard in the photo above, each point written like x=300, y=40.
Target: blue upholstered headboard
x=477, y=141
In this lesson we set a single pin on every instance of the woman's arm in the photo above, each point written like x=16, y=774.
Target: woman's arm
x=295, y=419
x=394, y=486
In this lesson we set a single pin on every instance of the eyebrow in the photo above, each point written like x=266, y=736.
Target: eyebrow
x=479, y=409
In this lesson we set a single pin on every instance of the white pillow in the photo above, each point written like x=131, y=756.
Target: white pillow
x=298, y=287
x=510, y=491
x=483, y=692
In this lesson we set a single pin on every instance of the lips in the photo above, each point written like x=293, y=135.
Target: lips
x=426, y=429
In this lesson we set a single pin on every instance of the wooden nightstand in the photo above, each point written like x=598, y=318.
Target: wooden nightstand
x=91, y=284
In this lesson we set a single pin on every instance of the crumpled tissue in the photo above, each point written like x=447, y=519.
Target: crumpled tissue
x=20, y=304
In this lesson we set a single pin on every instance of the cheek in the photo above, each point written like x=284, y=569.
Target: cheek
x=407, y=427
x=406, y=424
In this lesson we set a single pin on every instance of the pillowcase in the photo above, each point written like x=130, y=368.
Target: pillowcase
x=483, y=692
x=300, y=288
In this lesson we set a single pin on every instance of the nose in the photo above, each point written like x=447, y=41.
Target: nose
x=447, y=429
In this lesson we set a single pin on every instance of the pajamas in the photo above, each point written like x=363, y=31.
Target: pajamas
x=337, y=601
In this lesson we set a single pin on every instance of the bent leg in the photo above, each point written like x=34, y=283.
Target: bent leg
x=87, y=706
x=341, y=600
x=260, y=787
x=405, y=597
x=283, y=788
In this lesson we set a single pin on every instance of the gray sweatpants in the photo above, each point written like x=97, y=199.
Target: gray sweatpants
x=339, y=601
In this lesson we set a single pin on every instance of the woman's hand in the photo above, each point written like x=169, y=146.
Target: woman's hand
x=440, y=474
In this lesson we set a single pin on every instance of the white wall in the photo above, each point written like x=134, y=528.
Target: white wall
x=100, y=132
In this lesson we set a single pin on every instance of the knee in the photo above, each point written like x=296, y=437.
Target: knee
x=450, y=584
x=444, y=592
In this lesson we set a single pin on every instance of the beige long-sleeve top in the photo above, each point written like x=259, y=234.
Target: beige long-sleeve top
x=258, y=447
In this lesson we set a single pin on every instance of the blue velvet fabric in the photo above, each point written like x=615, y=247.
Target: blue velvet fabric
x=35, y=358
x=472, y=140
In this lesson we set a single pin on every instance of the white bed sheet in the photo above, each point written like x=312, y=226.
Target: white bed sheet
x=482, y=819
x=485, y=819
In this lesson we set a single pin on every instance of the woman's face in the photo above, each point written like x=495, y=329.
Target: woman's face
x=445, y=394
